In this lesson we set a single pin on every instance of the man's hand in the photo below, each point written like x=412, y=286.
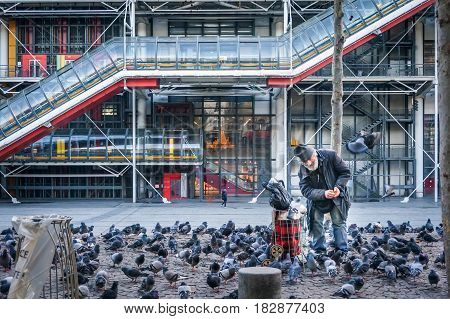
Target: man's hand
x=336, y=192
x=329, y=194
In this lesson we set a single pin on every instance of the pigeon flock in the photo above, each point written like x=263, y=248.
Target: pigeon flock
x=184, y=261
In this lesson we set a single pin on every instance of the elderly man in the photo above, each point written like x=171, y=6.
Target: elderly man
x=323, y=179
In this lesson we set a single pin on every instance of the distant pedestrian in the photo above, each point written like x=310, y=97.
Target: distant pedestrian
x=224, y=197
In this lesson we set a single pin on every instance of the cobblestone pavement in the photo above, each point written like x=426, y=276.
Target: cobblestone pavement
x=318, y=286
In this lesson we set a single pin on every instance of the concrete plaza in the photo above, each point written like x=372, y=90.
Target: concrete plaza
x=103, y=213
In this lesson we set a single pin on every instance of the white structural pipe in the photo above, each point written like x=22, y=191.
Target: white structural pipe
x=436, y=113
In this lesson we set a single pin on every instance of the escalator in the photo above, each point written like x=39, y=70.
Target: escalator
x=141, y=62
x=234, y=184
x=78, y=146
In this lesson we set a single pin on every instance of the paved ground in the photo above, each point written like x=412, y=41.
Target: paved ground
x=103, y=213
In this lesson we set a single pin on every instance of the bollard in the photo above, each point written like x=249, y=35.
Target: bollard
x=259, y=283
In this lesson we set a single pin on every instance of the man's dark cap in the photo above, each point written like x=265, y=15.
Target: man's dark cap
x=303, y=152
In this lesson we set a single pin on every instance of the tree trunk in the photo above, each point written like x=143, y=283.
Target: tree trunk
x=336, y=98
x=443, y=8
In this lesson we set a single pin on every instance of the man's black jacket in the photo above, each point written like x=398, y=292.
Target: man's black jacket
x=336, y=173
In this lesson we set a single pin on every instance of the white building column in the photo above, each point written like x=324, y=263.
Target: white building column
x=3, y=49
x=418, y=132
x=418, y=126
x=141, y=26
x=279, y=129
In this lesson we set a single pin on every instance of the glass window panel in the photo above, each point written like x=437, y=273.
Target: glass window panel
x=352, y=19
x=131, y=46
x=86, y=72
x=7, y=122
x=208, y=55
x=103, y=63
x=194, y=31
x=228, y=54
x=60, y=147
x=21, y=110
x=284, y=58
x=145, y=55
x=316, y=32
x=328, y=23
x=269, y=56
x=97, y=147
x=166, y=55
x=367, y=10
x=38, y=102
x=42, y=149
x=115, y=50
x=79, y=145
x=187, y=54
x=249, y=55
x=385, y=6
x=71, y=84
x=54, y=91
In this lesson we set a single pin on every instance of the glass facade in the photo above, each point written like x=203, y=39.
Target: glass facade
x=236, y=144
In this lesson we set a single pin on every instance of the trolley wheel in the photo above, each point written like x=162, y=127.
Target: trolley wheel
x=276, y=251
x=266, y=262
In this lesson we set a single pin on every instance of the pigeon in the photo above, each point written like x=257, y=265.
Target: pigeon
x=111, y=293
x=132, y=273
x=83, y=291
x=101, y=278
x=214, y=267
x=147, y=283
x=138, y=243
x=201, y=229
x=5, y=260
x=227, y=274
x=153, y=294
x=163, y=253
x=440, y=230
x=294, y=271
x=116, y=259
x=311, y=263
x=172, y=244
x=330, y=267
x=213, y=281
x=184, y=291
x=433, y=278
x=415, y=249
x=252, y=262
x=423, y=259
x=416, y=268
x=346, y=291
x=158, y=228
x=171, y=276
x=429, y=227
x=232, y=295
x=390, y=271
x=5, y=284
x=185, y=228
x=357, y=282
x=193, y=261
x=184, y=254
x=348, y=267
x=156, y=266
x=115, y=245
x=139, y=260
x=429, y=238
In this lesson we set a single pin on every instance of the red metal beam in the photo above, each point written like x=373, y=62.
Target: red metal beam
x=284, y=82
